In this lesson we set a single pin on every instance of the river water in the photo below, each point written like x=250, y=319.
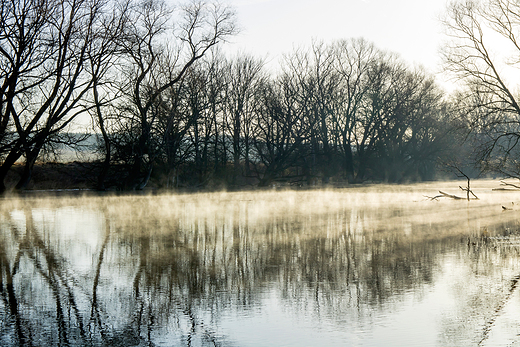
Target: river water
x=361, y=266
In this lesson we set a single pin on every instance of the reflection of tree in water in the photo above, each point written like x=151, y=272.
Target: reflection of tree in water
x=167, y=274
x=484, y=286
x=27, y=298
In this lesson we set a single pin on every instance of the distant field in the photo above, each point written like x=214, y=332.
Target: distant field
x=84, y=152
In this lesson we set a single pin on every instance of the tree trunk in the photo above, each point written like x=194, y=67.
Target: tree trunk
x=265, y=180
x=3, y=174
x=105, y=167
x=361, y=169
x=26, y=174
x=132, y=181
x=9, y=161
x=106, y=163
x=236, y=148
x=246, y=159
x=348, y=161
x=30, y=159
x=134, y=178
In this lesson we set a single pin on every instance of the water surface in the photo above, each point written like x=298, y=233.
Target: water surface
x=372, y=266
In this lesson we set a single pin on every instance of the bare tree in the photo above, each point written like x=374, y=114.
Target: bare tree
x=481, y=33
x=214, y=122
x=192, y=140
x=322, y=86
x=22, y=25
x=244, y=75
x=156, y=64
x=354, y=58
x=104, y=57
x=44, y=49
x=282, y=128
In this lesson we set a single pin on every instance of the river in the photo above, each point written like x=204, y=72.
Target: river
x=375, y=265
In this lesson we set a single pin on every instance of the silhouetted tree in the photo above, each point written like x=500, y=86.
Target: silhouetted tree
x=354, y=59
x=481, y=33
x=103, y=58
x=281, y=128
x=44, y=48
x=244, y=75
x=321, y=87
x=157, y=64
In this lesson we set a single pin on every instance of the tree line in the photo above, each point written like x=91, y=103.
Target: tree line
x=61, y=59
x=166, y=103
x=344, y=111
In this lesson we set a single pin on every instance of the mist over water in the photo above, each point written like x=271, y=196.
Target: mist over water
x=363, y=266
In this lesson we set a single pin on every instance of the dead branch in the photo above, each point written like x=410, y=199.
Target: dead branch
x=455, y=197
x=459, y=173
x=446, y=195
x=469, y=191
x=503, y=183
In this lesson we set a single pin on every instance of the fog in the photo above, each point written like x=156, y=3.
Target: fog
x=365, y=265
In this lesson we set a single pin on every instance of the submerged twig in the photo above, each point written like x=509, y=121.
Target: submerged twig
x=436, y=197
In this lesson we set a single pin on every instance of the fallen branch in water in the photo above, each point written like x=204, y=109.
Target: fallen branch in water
x=469, y=191
x=455, y=197
x=503, y=183
x=459, y=173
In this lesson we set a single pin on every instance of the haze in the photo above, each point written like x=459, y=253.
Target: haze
x=378, y=266
x=407, y=27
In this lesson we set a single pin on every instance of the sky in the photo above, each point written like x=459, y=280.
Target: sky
x=410, y=28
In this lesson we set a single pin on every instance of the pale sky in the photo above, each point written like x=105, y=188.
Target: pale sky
x=410, y=28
